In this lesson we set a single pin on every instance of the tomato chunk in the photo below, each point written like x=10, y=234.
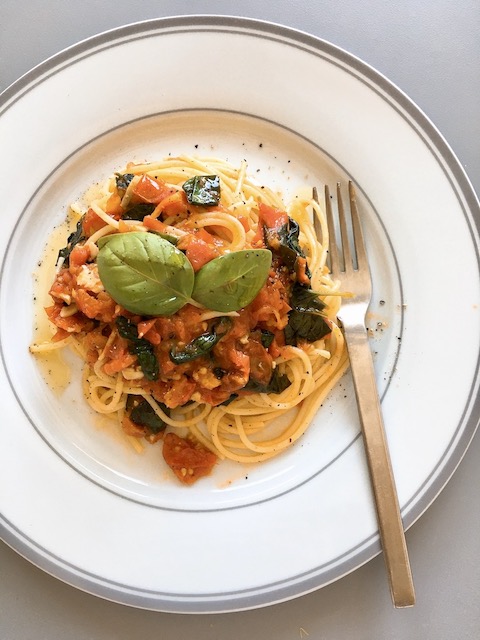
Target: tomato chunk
x=79, y=255
x=188, y=459
x=149, y=190
x=271, y=217
x=197, y=250
x=91, y=223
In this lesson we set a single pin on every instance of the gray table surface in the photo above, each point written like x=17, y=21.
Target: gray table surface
x=431, y=50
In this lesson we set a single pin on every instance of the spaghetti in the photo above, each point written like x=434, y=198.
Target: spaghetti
x=203, y=310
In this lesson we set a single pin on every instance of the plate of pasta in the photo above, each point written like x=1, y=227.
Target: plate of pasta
x=181, y=431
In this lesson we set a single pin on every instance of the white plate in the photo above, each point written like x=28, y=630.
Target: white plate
x=76, y=501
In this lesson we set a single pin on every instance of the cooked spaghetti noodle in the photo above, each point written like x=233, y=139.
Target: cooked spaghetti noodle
x=243, y=381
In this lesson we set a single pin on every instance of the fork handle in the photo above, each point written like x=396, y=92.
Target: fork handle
x=390, y=523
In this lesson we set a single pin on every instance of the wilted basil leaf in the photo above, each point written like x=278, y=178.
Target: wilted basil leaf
x=203, y=190
x=72, y=240
x=278, y=383
x=306, y=325
x=139, y=347
x=266, y=338
x=198, y=347
x=305, y=321
x=143, y=414
x=202, y=344
x=304, y=299
x=284, y=243
x=122, y=181
x=139, y=211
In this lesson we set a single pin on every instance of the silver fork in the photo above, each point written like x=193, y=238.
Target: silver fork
x=355, y=278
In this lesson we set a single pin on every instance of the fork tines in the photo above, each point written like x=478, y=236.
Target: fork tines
x=350, y=262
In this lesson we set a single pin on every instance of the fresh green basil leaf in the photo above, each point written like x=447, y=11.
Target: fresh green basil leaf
x=166, y=236
x=232, y=281
x=144, y=273
x=203, y=191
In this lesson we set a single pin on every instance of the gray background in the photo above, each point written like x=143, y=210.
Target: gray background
x=431, y=50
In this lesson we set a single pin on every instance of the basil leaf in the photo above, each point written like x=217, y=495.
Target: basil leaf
x=144, y=273
x=72, y=240
x=278, y=383
x=305, y=321
x=139, y=211
x=232, y=281
x=266, y=338
x=202, y=344
x=167, y=236
x=122, y=181
x=284, y=243
x=306, y=325
x=203, y=190
x=304, y=299
x=127, y=329
x=198, y=347
x=139, y=347
x=146, y=359
x=143, y=414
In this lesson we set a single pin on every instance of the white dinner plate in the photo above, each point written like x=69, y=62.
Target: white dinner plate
x=74, y=499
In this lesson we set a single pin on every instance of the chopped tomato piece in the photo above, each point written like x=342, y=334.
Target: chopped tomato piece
x=270, y=306
x=203, y=234
x=148, y=189
x=261, y=362
x=271, y=217
x=188, y=459
x=275, y=348
x=173, y=205
x=119, y=357
x=146, y=329
x=98, y=307
x=301, y=270
x=179, y=393
x=197, y=250
x=80, y=255
x=114, y=205
x=154, y=224
x=93, y=343
x=235, y=367
x=91, y=223
x=131, y=428
x=62, y=286
x=245, y=222
x=60, y=334
x=75, y=323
